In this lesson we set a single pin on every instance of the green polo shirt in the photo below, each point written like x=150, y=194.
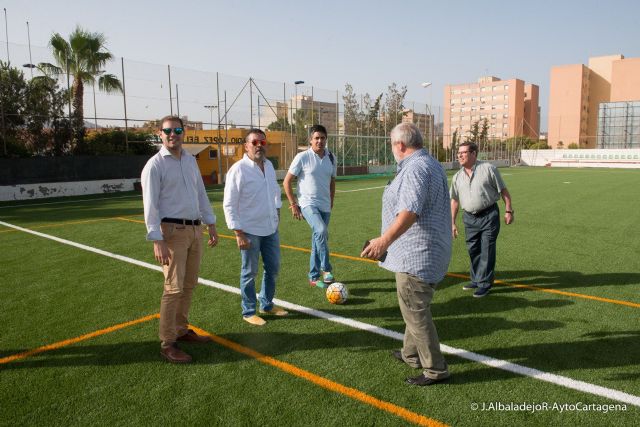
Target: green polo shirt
x=478, y=191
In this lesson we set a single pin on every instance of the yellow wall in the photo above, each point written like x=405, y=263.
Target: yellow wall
x=231, y=149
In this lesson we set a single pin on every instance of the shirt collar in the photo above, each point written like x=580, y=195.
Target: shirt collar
x=164, y=151
x=326, y=151
x=416, y=154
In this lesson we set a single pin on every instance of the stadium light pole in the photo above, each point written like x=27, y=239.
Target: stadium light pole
x=431, y=142
x=211, y=108
x=295, y=118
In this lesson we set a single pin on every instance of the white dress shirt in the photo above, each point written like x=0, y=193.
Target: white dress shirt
x=252, y=198
x=173, y=188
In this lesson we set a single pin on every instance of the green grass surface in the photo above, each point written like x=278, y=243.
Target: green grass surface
x=575, y=231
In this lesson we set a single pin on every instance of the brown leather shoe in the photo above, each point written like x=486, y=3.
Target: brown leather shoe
x=191, y=336
x=174, y=355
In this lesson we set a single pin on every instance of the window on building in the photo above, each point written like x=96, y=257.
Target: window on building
x=213, y=154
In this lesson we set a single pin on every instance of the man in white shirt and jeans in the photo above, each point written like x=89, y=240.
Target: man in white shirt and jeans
x=252, y=210
x=175, y=204
x=316, y=172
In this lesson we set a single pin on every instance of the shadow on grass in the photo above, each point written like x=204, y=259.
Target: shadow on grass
x=359, y=347
x=586, y=352
x=556, y=279
x=116, y=354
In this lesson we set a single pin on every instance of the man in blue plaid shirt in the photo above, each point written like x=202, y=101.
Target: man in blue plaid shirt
x=416, y=237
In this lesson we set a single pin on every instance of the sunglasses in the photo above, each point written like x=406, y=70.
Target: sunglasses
x=177, y=131
x=262, y=142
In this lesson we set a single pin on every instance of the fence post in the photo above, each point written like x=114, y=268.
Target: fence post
x=124, y=99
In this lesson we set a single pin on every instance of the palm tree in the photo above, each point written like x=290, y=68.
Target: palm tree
x=83, y=57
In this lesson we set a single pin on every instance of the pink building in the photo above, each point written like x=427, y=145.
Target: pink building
x=509, y=106
x=576, y=92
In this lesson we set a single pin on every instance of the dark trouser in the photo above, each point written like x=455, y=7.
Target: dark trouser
x=481, y=232
x=421, y=346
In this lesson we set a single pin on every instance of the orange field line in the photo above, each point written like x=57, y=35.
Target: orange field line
x=324, y=382
x=462, y=276
x=70, y=341
x=283, y=366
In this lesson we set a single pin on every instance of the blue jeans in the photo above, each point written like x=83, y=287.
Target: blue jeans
x=269, y=247
x=319, y=222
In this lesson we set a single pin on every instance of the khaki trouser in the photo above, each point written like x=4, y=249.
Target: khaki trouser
x=421, y=345
x=180, y=278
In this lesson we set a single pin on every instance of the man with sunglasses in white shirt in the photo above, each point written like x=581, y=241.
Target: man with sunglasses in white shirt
x=252, y=201
x=175, y=206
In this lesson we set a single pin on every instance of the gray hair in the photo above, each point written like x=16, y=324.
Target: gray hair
x=408, y=134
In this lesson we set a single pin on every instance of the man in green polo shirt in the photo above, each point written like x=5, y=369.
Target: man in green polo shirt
x=477, y=187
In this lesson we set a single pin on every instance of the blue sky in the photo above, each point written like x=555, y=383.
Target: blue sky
x=328, y=43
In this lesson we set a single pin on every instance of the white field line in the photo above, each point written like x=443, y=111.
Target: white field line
x=469, y=355
x=359, y=189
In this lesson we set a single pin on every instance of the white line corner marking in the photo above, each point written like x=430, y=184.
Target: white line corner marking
x=469, y=355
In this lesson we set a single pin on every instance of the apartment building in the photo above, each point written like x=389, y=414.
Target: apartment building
x=510, y=107
x=595, y=105
x=323, y=112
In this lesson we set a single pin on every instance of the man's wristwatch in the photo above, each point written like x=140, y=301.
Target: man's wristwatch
x=509, y=212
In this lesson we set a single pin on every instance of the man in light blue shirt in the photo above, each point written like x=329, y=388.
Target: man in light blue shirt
x=416, y=235
x=316, y=172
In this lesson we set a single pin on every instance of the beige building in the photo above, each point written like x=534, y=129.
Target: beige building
x=423, y=121
x=324, y=112
x=576, y=92
x=509, y=106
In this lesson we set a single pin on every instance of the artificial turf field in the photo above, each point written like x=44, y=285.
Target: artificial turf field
x=557, y=342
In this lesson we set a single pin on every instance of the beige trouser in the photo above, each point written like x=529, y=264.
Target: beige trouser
x=180, y=278
x=421, y=345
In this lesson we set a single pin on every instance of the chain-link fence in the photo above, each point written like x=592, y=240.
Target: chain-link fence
x=358, y=124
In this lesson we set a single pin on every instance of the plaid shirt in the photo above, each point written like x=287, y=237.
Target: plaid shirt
x=420, y=186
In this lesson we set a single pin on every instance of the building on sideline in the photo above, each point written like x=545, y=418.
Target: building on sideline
x=510, y=107
x=595, y=105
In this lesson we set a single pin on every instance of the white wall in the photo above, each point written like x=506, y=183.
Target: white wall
x=61, y=189
x=583, y=158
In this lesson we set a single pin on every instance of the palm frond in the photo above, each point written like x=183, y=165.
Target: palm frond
x=109, y=83
x=50, y=70
x=60, y=49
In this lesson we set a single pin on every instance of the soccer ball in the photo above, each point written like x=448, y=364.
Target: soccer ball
x=337, y=293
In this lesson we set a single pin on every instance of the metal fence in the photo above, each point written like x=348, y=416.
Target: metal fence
x=213, y=100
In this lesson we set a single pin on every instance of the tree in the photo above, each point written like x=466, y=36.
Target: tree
x=32, y=114
x=281, y=124
x=83, y=57
x=351, y=110
x=45, y=117
x=484, y=131
x=474, y=133
x=394, y=104
x=12, y=92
